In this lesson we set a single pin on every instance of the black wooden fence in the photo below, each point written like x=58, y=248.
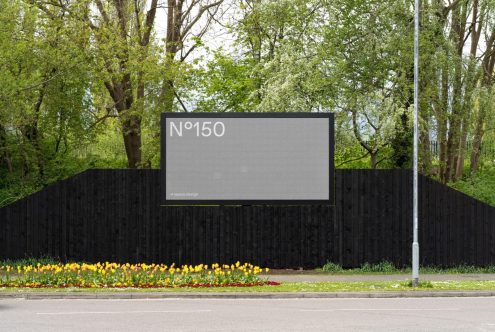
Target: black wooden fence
x=115, y=215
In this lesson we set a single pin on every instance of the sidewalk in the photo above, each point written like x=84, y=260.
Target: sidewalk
x=235, y=295
x=322, y=277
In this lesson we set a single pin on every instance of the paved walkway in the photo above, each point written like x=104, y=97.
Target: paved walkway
x=306, y=277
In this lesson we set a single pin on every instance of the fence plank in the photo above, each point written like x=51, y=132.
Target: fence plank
x=116, y=215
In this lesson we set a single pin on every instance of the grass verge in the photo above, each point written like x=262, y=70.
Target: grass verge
x=386, y=267
x=380, y=286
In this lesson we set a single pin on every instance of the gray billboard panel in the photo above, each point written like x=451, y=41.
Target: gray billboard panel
x=247, y=158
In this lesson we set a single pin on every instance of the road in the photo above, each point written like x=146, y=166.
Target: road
x=413, y=314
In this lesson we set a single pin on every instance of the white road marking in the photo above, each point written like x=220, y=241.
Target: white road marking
x=385, y=309
x=121, y=312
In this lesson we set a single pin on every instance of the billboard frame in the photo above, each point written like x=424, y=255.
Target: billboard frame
x=220, y=202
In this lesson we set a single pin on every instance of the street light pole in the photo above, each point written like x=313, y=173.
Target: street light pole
x=415, y=245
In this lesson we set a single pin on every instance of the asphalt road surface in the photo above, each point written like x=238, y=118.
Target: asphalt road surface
x=413, y=314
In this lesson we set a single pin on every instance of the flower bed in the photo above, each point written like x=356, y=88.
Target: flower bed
x=114, y=275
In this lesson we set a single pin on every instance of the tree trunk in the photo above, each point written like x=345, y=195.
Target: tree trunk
x=132, y=140
x=168, y=96
x=460, y=157
x=4, y=150
x=172, y=46
x=453, y=140
x=373, y=161
x=121, y=94
x=478, y=138
x=424, y=133
x=401, y=143
x=442, y=110
x=372, y=150
x=26, y=169
x=472, y=76
x=488, y=65
x=458, y=30
x=425, y=165
x=31, y=132
x=120, y=87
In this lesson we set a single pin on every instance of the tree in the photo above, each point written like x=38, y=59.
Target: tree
x=128, y=59
x=43, y=87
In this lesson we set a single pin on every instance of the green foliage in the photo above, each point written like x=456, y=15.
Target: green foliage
x=61, y=65
x=460, y=269
x=480, y=186
x=382, y=267
x=44, y=106
x=227, y=85
x=30, y=261
x=422, y=284
x=331, y=267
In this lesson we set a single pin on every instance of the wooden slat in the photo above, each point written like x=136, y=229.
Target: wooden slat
x=116, y=215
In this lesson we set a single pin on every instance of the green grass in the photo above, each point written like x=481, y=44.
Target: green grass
x=389, y=268
x=368, y=286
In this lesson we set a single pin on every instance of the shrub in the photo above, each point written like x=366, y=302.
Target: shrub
x=332, y=268
x=383, y=267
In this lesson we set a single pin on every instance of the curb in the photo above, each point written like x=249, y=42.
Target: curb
x=281, y=295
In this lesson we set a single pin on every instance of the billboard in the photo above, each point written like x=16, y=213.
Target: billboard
x=247, y=158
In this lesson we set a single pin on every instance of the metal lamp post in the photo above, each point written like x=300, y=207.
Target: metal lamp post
x=415, y=245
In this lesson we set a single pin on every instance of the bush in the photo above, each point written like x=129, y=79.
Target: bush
x=383, y=267
x=332, y=268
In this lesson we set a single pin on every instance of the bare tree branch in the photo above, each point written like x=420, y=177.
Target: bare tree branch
x=351, y=160
x=201, y=11
x=180, y=101
x=150, y=19
x=357, y=134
